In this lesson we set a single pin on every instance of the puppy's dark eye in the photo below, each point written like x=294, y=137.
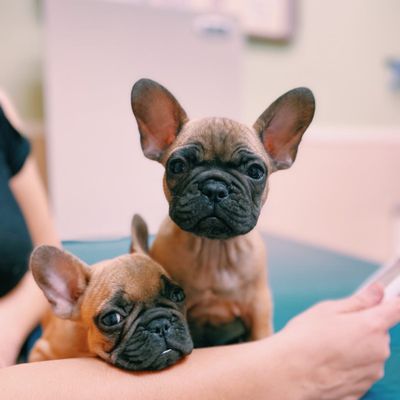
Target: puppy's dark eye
x=255, y=171
x=177, y=166
x=177, y=295
x=112, y=318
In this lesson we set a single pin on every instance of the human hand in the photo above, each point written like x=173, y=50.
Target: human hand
x=340, y=347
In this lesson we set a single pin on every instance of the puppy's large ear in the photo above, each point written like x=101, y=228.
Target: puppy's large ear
x=62, y=277
x=159, y=117
x=282, y=125
x=139, y=235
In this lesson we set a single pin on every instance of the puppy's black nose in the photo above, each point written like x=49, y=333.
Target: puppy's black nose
x=216, y=191
x=159, y=326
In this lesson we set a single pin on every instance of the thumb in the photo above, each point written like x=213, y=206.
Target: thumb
x=365, y=298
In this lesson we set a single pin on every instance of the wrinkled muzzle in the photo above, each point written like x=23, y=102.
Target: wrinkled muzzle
x=155, y=340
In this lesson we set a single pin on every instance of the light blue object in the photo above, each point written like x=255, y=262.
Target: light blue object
x=394, y=65
x=300, y=275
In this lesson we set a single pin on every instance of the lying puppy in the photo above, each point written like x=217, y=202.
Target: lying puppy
x=216, y=181
x=125, y=310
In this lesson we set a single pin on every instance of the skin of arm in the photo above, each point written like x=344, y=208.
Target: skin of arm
x=22, y=308
x=335, y=350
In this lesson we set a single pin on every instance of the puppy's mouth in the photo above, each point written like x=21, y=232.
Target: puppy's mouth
x=213, y=227
x=167, y=358
x=153, y=362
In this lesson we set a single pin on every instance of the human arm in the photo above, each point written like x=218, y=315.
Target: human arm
x=22, y=308
x=212, y=373
x=307, y=360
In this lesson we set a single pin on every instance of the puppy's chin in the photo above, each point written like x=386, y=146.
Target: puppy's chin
x=163, y=360
x=213, y=227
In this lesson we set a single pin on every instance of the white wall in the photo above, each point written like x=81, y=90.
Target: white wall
x=98, y=176
x=342, y=190
x=21, y=55
x=339, y=50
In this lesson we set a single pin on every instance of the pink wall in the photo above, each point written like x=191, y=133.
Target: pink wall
x=341, y=192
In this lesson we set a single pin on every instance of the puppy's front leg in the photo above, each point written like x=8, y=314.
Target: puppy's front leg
x=261, y=322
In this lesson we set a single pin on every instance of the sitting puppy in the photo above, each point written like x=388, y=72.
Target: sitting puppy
x=216, y=182
x=126, y=310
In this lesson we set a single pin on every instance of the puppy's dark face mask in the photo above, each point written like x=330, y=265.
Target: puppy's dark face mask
x=148, y=335
x=216, y=185
x=217, y=169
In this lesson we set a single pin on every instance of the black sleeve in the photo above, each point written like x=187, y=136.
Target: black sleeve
x=14, y=146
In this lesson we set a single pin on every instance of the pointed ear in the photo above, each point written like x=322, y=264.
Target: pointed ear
x=139, y=235
x=62, y=277
x=159, y=117
x=282, y=125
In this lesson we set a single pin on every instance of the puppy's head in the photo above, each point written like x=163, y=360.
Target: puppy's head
x=133, y=312
x=216, y=169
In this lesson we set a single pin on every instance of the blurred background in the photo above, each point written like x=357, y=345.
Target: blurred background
x=69, y=65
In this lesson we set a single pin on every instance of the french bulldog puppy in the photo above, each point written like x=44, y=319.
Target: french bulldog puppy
x=216, y=182
x=126, y=311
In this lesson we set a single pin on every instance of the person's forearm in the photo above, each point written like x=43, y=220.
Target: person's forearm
x=248, y=371
x=25, y=306
x=32, y=199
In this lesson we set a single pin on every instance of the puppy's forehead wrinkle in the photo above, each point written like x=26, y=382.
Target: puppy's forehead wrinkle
x=135, y=275
x=119, y=299
x=215, y=135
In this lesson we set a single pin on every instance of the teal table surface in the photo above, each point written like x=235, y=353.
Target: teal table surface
x=300, y=275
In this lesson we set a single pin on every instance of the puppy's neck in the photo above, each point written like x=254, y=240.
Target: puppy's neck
x=61, y=339
x=203, y=246
x=204, y=252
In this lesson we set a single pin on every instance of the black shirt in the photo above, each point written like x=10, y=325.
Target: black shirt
x=15, y=242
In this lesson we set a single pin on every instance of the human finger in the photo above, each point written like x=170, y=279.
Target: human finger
x=364, y=299
x=385, y=315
